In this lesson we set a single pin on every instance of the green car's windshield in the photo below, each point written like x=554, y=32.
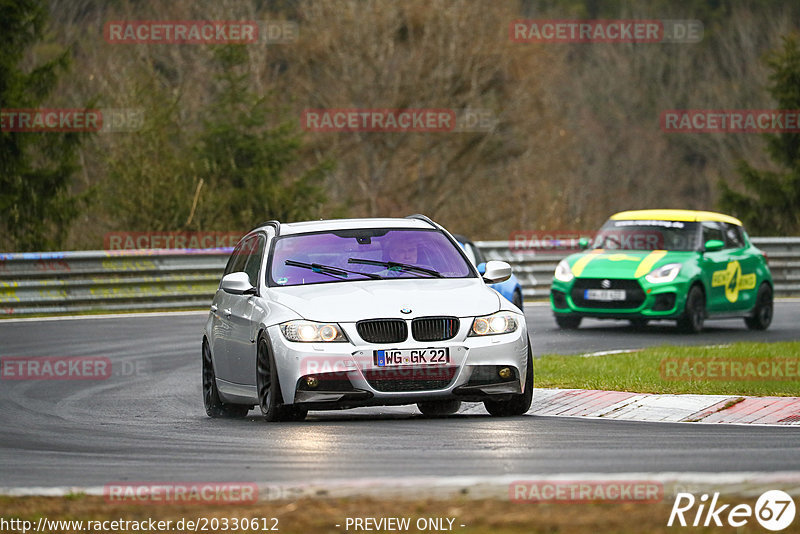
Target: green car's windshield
x=648, y=235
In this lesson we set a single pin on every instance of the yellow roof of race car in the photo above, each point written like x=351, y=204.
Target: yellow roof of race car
x=675, y=215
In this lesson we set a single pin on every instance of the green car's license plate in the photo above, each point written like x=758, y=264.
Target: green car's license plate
x=604, y=294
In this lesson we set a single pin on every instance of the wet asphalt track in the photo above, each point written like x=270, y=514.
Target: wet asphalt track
x=146, y=423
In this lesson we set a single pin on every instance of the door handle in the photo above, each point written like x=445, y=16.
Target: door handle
x=214, y=308
x=227, y=312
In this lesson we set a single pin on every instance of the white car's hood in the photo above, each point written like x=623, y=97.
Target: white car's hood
x=371, y=299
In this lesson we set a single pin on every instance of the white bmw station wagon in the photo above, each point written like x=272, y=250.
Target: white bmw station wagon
x=337, y=314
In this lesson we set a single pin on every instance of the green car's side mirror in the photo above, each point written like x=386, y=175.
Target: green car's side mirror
x=712, y=245
x=583, y=243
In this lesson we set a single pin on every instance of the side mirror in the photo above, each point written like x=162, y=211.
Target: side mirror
x=237, y=284
x=481, y=268
x=712, y=245
x=496, y=271
x=583, y=243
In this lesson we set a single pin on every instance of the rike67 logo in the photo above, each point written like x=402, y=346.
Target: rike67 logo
x=774, y=510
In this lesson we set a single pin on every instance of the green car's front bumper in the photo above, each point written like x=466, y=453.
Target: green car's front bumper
x=643, y=300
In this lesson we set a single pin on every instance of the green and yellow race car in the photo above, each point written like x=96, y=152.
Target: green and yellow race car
x=681, y=265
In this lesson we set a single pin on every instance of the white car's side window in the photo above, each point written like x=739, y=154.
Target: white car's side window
x=254, y=257
x=235, y=259
x=240, y=254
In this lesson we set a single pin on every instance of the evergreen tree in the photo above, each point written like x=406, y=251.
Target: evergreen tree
x=36, y=168
x=771, y=204
x=246, y=154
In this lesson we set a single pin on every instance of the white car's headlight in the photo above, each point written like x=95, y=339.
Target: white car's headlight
x=308, y=332
x=497, y=323
x=564, y=272
x=663, y=274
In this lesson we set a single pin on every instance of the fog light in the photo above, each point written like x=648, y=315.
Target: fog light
x=505, y=373
x=312, y=381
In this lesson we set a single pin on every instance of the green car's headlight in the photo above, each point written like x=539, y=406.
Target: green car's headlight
x=490, y=325
x=665, y=273
x=310, y=332
x=563, y=272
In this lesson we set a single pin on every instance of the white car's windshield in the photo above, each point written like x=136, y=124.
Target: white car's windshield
x=364, y=254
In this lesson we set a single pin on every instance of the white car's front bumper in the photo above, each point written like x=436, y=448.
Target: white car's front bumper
x=346, y=374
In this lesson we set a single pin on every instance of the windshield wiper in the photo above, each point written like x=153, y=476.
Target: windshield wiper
x=396, y=266
x=329, y=270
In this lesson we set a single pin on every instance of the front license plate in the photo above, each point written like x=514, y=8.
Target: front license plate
x=604, y=294
x=395, y=357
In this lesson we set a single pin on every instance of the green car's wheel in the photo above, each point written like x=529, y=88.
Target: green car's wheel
x=695, y=313
x=214, y=406
x=568, y=322
x=762, y=311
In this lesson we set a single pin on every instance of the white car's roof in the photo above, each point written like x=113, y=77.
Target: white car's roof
x=347, y=224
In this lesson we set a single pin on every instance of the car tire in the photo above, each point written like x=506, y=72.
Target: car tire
x=268, y=387
x=214, y=406
x=439, y=408
x=568, y=322
x=639, y=324
x=762, y=311
x=694, y=314
x=518, y=404
x=516, y=299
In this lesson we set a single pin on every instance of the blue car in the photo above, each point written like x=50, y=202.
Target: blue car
x=510, y=289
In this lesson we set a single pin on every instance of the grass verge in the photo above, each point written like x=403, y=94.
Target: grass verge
x=753, y=369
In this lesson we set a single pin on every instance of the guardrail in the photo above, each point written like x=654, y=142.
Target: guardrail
x=97, y=281
x=141, y=280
